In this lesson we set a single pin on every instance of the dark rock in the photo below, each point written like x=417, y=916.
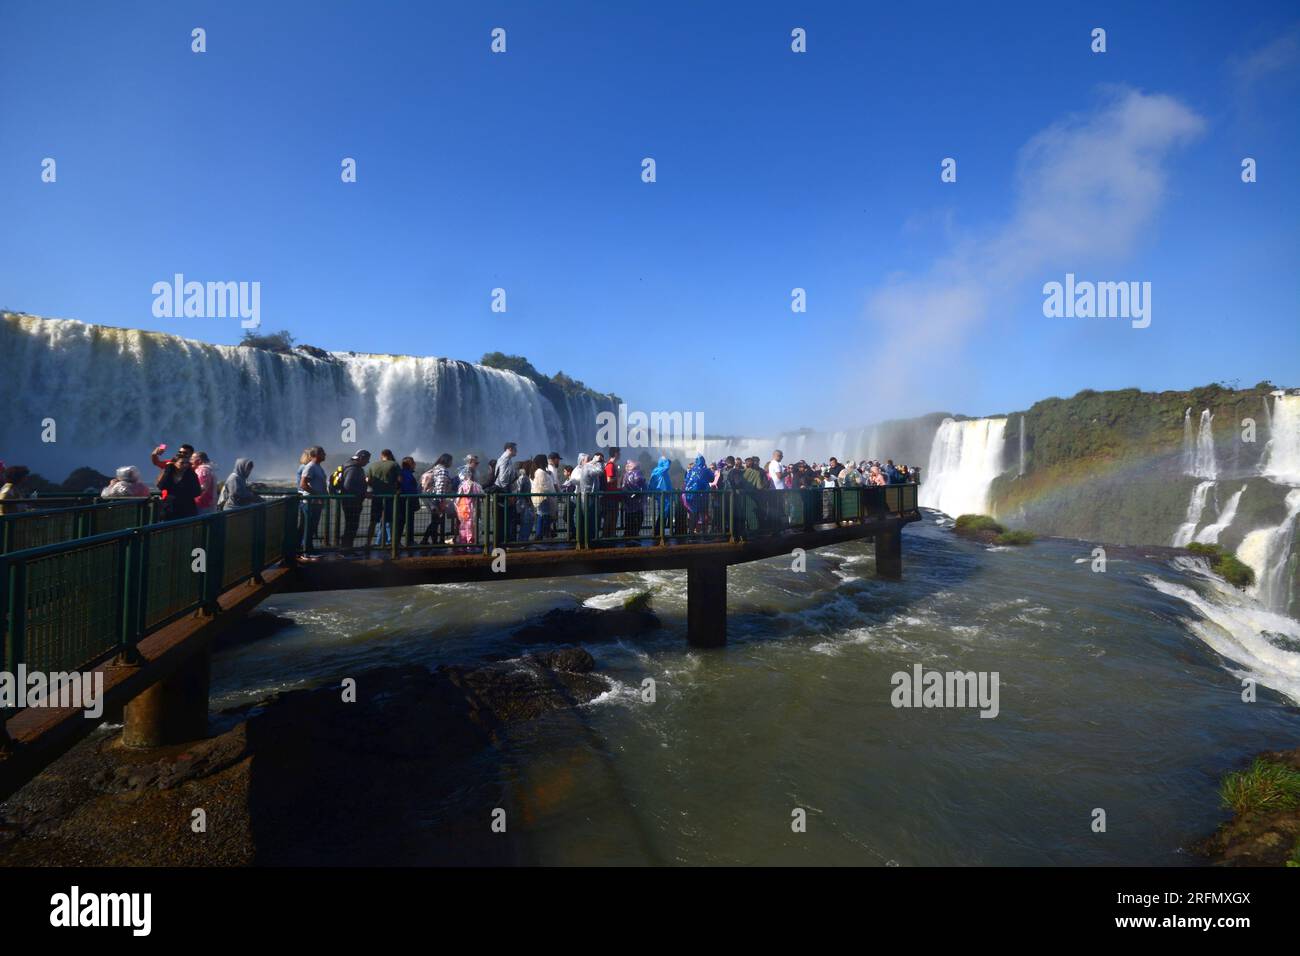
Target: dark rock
x=586, y=625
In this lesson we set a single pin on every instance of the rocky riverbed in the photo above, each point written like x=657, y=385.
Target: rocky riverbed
x=310, y=777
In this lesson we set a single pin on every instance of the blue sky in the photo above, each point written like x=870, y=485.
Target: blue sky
x=775, y=170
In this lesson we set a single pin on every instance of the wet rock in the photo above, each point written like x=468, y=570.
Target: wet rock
x=577, y=625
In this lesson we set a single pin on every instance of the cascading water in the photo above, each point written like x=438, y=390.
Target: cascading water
x=116, y=393
x=1203, y=460
x=1198, y=461
x=965, y=457
x=1195, y=507
x=1210, y=533
x=1269, y=552
x=1282, y=458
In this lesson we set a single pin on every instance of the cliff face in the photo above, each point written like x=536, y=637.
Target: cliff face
x=1212, y=464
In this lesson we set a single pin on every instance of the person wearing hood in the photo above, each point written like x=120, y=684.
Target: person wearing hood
x=352, y=485
x=236, y=492
x=126, y=484
x=661, y=482
x=634, y=484
x=699, y=477
x=205, y=472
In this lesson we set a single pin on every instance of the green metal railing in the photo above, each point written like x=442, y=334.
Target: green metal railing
x=40, y=525
x=408, y=524
x=70, y=605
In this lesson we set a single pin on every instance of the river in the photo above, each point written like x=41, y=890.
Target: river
x=1120, y=690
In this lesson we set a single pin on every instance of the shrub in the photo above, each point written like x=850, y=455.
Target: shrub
x=1015, y=537
x=1233, y=571
x=1225, y=565
x=971, y=524
x=1264, y=787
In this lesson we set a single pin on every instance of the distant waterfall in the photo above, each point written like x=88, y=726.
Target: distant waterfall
x=116, y=393
x=1282, y=459
x=1270, y=553
x=1198, y=461
x=965, y=457
x=1210, y=533
x=1195, y=508
x=1204, y=464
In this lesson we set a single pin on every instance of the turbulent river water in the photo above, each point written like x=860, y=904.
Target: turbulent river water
x=1119, y=690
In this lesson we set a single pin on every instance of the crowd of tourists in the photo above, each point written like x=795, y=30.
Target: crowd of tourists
x=536, y=499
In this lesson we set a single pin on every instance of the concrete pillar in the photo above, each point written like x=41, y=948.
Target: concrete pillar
x=172, y=711
x=706, y=604
x=889, y=554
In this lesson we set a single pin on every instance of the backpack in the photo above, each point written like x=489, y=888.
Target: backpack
x=336, y=481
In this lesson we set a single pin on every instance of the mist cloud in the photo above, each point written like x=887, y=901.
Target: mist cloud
x=1086, y=188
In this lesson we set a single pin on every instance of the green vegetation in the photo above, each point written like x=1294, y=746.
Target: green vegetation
x=1015, y=538
x=1295, y=855
x=556, y=388
x=974, y=524
x=1224, y=564
x=280, y=341
x=1266, y=786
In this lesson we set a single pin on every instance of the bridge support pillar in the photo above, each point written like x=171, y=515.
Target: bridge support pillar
x=889, y=554
x=172, y=711
x=706, y=604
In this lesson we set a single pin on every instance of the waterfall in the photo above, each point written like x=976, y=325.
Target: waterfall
x=1210, y=533
x=965, y=457
x=1021, y=472
x=1282, y=456
x=116, y=393
x=1195, y=506
x=1189, y=442
x=1203, y=461
x=1268, y=551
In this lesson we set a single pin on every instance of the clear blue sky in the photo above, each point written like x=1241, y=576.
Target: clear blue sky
x=775, y=170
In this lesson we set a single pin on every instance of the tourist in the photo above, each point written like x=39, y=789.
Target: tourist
x=695, y=497
x=521, y=495
x=311, y=485
x=179, y=487
x=544, y=498
x=613, y=479
x=438, y=481
x=505, y=474
x=469, y=491
x=634, y=484
x=11, y=491
x=205, y=472
x=776, y=470
x=408, y=502
x=236, y=492
x=352, y=484
x=381, y=476
x=661, y=483
x=126, y=484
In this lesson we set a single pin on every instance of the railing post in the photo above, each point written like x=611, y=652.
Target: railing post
x=394, y=526
x=214, y=548
x=259, y=541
